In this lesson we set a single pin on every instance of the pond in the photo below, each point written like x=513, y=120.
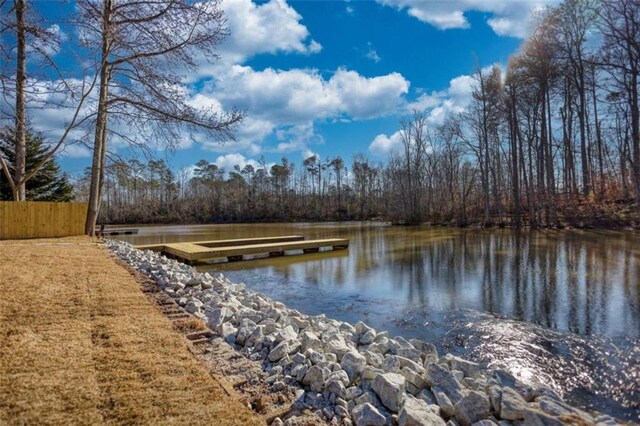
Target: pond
x=555, y=307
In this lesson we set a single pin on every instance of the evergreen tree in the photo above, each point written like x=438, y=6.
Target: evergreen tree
x=49, y=184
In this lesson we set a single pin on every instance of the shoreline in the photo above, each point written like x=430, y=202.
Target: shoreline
x=352, y=373
x=631, y=227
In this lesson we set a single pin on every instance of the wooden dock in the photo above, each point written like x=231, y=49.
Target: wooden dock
x=118, y=231
x=237, y=249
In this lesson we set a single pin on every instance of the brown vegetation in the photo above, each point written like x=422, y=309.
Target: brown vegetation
x=79, y=343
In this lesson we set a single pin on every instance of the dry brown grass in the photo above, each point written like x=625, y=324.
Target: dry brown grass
x=81, y=344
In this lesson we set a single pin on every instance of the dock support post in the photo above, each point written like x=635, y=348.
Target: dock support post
x=276, y=253
x=340, y=247
x=234, y=258
x=311, y=250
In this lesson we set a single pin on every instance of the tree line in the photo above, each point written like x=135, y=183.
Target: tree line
x=554, y=139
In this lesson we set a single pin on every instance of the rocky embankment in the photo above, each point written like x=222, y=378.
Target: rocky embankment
x=352, y=374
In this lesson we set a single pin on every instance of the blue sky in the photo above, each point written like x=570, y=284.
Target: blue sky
x=335, y=77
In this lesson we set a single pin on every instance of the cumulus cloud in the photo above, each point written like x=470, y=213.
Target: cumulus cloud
x=453, y=100
x=437, y=105
x=229, y=161
x=286, y=103
x=384, y=145
x=269, y=27
x=509, y=17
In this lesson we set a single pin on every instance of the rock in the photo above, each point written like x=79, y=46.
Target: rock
x=390, y=389
x=472, y=408
x=537, y=418
x=444, y=402
x=427, y=396
x=353, y=392
x=255, y=337
x=314, y=356
x=373, y=359
x=367, y=415
x=243, y=334
x=309, y=341
x=495, y=397
x=467, y=367
x=506, y=379
x=485, y=422
x=370, y=373
x=413, y=378
x=277, y=422
x=216, y=318
x=314, y=378
x=368, y=337
x=391, y=364
x=298, y=358
x=341, y=411
x=335, y=386
x=278, y=386
x=228, y=331
x=293, y=346
x=410, y=353
x=287, y=333
x=337, y=346
x=362, y=328
x=353, y=363
x=436, y=376
x=279, y=351
x=552, y=407
x=416, y=412
x=512, y=405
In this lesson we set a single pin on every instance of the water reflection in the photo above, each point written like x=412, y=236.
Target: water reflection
x=577, y=294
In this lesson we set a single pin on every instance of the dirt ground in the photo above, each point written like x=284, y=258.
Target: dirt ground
x=80, y=343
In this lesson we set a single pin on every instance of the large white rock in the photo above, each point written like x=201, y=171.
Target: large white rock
x=367, y=415
x=353, y=363
x=390, y=389
x=416, y=412
x=314, y=378
x=287, y=333
x=437, y=376
x=279, y=351
x=512, y=405
x=472, y=408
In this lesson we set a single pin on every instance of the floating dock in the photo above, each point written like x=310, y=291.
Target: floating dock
x=119, y=231
x=236, y=249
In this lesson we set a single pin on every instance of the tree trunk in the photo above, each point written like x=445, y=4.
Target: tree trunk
x=99, y=146
x=19, y=191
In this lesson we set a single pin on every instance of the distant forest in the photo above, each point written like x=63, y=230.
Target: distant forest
x=553, y=140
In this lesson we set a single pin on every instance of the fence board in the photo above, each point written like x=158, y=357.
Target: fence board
x=35, y=219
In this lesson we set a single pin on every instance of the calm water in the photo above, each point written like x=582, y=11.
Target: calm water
x=555, y=307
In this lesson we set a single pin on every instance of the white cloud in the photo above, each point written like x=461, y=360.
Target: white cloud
x=437, y=105
x=452, y=100
x=269, y=27
x=287, y=103
x=75, y=151
x=509, y=17
x=372, y=54
x=384, y=145
x=229, y=161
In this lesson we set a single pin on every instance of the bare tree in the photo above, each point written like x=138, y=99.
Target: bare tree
x=30, y=36
x=144, y=50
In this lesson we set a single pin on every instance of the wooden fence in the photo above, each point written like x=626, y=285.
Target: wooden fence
x=34, y=219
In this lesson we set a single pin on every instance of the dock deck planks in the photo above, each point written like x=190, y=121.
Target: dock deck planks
x=227, y=243
x=197, y=251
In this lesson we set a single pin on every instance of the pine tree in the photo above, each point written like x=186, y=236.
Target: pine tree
x=49, y=184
